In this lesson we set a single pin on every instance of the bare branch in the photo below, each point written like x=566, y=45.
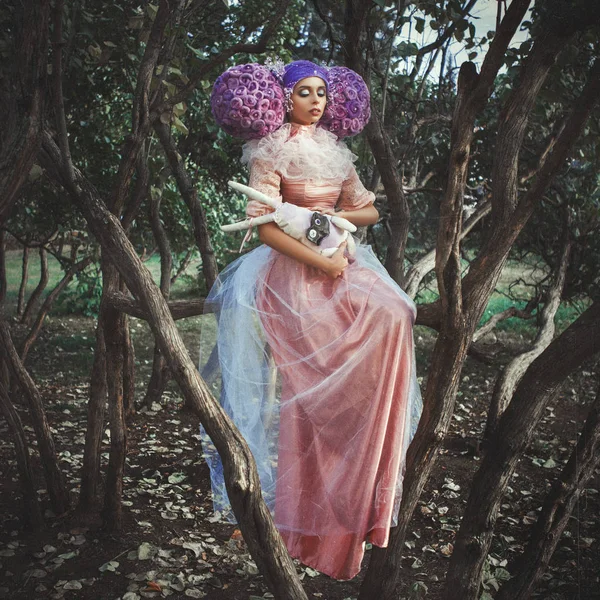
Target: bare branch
x=180, y=309
x=514, y=371
x=493, y=321
x=426, y=263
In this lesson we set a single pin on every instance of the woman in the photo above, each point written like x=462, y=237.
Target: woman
x=316, y=353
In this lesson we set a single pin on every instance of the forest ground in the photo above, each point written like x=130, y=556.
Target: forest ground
x=171, y=544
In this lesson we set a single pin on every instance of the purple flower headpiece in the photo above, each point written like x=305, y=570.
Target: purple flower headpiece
x=248, y=101
x=348, y=107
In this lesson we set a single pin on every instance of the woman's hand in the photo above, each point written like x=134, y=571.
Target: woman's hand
x=337, y=262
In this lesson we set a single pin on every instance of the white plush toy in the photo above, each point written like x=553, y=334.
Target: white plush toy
x=322, y=233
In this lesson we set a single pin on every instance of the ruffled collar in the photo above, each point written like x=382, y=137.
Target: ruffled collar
x=305, y=152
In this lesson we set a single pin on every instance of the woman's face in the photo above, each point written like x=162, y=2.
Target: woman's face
x=308, y=101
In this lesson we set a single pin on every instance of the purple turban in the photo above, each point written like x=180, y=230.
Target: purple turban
x=301, y=69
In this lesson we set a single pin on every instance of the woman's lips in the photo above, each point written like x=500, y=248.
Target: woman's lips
x=315, y=111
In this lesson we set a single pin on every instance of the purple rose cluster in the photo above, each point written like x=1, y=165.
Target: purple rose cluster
x=348, y=103
x=248, y=102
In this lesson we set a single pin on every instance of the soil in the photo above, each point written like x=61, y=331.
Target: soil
x=171, y=546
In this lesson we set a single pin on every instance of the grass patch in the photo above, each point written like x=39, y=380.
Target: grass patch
x=526, y=276
x=186, y=285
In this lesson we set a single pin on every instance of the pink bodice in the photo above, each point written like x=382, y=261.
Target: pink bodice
x=307, y=194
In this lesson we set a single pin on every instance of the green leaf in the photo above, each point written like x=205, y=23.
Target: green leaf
x=419, y=24
x=177, y=477
x=179, y=109
x=152, y=9
x=181, y=127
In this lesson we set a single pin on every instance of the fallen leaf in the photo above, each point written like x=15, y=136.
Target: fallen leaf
x=152, y=585
x=72, y=585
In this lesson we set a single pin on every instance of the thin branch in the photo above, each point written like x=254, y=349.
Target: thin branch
x=141, y=118
x=59, y=102
x=241, y=48
x=333, y=40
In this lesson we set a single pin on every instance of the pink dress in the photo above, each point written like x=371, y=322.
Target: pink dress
x=346, y=403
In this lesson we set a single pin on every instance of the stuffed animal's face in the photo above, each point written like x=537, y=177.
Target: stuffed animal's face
x=319, y=228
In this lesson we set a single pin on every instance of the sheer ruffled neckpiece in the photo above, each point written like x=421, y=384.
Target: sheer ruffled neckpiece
x=302, y=152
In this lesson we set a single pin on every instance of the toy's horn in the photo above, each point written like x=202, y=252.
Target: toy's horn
x=253, y=194
x=241, y=225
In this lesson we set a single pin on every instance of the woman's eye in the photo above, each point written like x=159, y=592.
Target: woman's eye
x=321, y=93
x=303, y=93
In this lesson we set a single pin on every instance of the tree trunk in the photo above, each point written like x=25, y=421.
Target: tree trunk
x=190, y=196
x=468, y=557
x=90, y=472
x=59, y=496
x=514, y=371
x=32, y=515
x=243, y=484
x=557, y=509
x=160, y=372
x=458, y=321
x=114, y=327
x=355, y=20
x=47, y=305
x=41, y=286
x=539, y=386
x=23, y=285
x=128, y=370
x=3, y=282
x=381, y=148
x=23, y=99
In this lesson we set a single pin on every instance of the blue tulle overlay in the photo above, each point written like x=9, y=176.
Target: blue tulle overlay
x=276, y=334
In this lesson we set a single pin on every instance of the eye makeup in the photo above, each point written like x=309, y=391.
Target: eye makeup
x=304, y=92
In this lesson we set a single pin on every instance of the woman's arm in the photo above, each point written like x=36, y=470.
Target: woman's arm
x=333, y=267
x=367, y=215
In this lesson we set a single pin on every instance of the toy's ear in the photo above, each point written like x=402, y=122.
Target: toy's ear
x=343, y=224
